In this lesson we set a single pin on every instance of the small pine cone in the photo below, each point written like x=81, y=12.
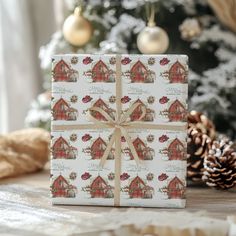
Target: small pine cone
x=220, y=165
x=200, y=122
x=198, y=143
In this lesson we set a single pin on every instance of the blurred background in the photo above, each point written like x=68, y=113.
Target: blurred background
x=32, y=31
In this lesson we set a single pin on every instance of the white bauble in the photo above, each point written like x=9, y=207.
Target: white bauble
x=152, y=40
x=77, y=30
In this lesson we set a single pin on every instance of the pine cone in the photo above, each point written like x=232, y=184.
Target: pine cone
x=220, y=165
x=200, y=133
x=200, y=122
x=197, y=149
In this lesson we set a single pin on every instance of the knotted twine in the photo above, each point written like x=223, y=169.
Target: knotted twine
x=121, y=124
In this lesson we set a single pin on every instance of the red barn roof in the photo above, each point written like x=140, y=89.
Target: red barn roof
x=176, y=111
x=175, y=183
x=137, y=112
x=59, y=103
x=138, y=141
x=100, y=103
x=98, y=148
x=60, y=71
x=176, y=66
x=137, y=182
x=176, y=150
x=139, y=101
x=60, y=181
x=138, y=72
x=60, y=65
x=177, y=73
x=100, y=72
x=98, y=182
x=98, y=141
x=175, y=142
x=60, y=141
x=175, y=104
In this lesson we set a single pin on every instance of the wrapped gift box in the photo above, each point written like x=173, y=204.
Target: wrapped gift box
x=149, y=169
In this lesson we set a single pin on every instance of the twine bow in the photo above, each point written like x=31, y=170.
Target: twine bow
x=121, y=125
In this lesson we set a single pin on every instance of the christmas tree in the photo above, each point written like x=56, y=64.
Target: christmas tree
x=194, y=27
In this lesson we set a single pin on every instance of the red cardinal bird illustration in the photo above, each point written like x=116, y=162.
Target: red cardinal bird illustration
x=86, y=99
x=162, y=177
x=87, y=60
x=164, y=61
x=86, y=137
x=163, y=100
x=163, y=138
x=85, y=176
x=124, y=176
x=125, y=61
x=125, y=99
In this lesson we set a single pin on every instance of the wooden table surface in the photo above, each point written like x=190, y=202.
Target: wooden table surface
x=218, y=204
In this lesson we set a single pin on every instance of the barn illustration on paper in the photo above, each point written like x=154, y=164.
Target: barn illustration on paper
x=177, y=111
x=139, y=73
x=175, y=189
x=143, y=151
x=177, y=73
x=63, y=111
x=62, y=188
x=99, y=188
x=101, y=73
x=139, y=189
x=62, y=72
x=175, y=150
x=61, y=149
x=137, y=113
x=101, y=104
x=98, y=148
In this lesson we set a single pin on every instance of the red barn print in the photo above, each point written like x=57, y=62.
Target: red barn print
x=101, y=104
x=137, y=113
x=61, y=188
x=175, y=189
x=177, y=111
x=176, y=150
x=62, y=150
x=100, y=189
x=143, y=152
x=63, y=111
x=98, y=148
x=138, y=189
x=177, y=73
x=139, y=73
x=63, y=73
x=101, y=73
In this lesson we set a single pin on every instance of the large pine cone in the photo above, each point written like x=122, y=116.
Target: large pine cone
x=220, y=165
x=200, y=133
x=197, y=150
x=200, y=122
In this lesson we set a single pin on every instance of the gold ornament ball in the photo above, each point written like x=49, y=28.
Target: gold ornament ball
x=152, y=39
x=77, y=30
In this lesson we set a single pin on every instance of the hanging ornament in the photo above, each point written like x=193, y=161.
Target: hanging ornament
x=77, y=30
x=152, y=39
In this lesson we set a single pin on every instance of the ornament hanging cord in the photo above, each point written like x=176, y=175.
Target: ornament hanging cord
x=150, y=12
x=79, y=4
